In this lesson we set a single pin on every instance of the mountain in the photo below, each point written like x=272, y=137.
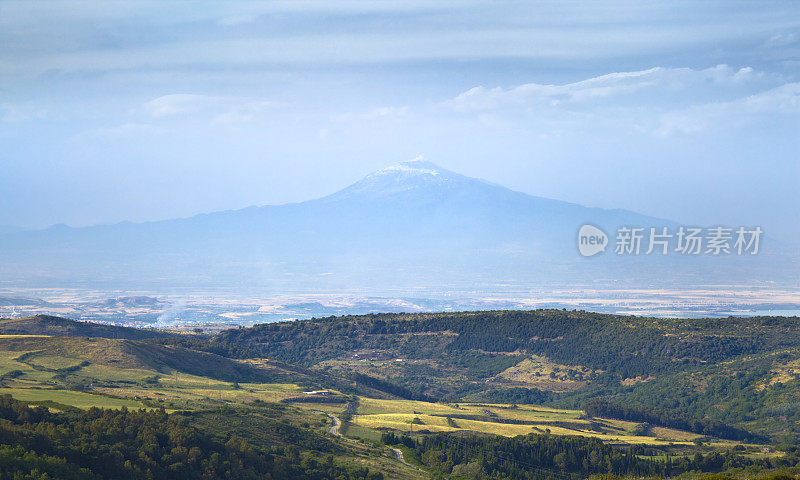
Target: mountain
x=15, y=300
x=410, y=226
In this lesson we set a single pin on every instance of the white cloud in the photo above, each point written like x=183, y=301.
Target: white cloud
x=658, y=101
x=655, y=82
x=784, y=99
x=781, y=40
x=20, y=113
x=217, y=109
x=378, y=113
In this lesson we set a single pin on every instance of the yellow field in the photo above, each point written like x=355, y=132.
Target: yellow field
x=398, y=414
x=529, y=413
x=439, y=424
x=670, y=434
x=371, y=405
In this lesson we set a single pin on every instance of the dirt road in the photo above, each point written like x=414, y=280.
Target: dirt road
x=398, y=454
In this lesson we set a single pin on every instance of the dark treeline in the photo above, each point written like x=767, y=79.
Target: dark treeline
x=703, y=426
x=546, y=456
x=513, y=395
x=122, y=444
x=388, y=387
x=333, y=399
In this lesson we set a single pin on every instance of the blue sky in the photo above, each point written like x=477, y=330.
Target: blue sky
x=141, y=111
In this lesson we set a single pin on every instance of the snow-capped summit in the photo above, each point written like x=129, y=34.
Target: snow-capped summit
x=402, y=177
x=417, y=166
x=411, y=168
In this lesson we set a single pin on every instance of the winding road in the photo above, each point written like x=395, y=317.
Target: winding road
x=334, y=430
x=398, y=454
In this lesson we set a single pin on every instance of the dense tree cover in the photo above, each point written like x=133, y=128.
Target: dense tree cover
x=739, y=392
x=704, y=426
x=741, y=386
x=625, y=345
x=122, y=444
x=546, y=456
x=733, y=474
x=512, y=395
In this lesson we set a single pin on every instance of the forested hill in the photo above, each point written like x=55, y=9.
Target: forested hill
x=624, y=345
x=743, y=372
x=734, y=377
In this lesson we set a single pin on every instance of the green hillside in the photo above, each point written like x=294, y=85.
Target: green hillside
x=64, y=327
x=496, y=395
x=742, y=371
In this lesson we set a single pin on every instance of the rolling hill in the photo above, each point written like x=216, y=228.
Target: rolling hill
x=739, y=371
x=64, y=327
x=504, y=394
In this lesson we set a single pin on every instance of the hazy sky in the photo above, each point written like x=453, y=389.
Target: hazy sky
x=140, y=111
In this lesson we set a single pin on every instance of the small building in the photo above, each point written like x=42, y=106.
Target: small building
x=318, y=392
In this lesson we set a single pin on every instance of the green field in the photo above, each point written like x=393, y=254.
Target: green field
x=65, y=397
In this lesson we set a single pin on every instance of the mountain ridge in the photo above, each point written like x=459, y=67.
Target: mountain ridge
x=408, y=225
x=337, y=195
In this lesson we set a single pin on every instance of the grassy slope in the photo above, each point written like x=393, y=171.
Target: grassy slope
x=64, y=327
x=127, y=354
